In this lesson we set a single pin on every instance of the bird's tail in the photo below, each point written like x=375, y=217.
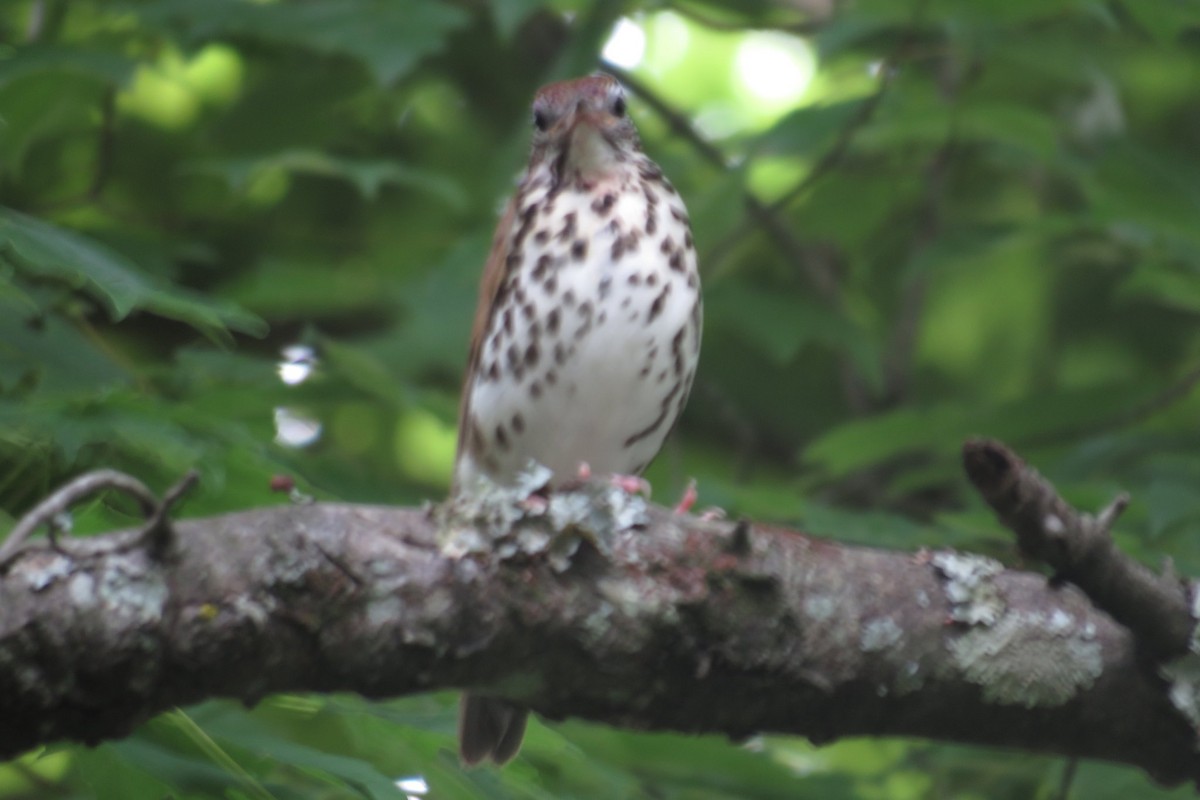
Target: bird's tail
x=489, y=729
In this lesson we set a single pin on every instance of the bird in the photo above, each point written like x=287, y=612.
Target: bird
x=587, y=330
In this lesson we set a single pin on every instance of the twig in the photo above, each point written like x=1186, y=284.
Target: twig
x=762, y=215
x=66, y=496
x=1080, y=548
x=84, y=486
x=676, y=121
x=157, y=527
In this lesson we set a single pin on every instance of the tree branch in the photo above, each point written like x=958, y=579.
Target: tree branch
x=589, y=604
x=1080, y=548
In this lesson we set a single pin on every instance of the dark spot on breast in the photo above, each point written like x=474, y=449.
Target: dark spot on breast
x=560, y=353
x=691, y=280
x=519, y=293
x=635, y=279
x=501, y=437
x=552, y=321
x=676, y=261
x=528, y=311
x=618, y=249
x=551, y=378
x=535, y=390
x=513, y=355
x=651, y=195
x=493, y=371
x=585, y=313
x=543, y=264
x=677, y=350
x=603, y=205
x=551, y=285
x=650, y=172
x=687, y=240
x=542, y=236
x=531, y=355
x=568, y=298
x=518, y=423
x=664, y=413
x=579, y=249
x=651, y=224
x=514, y=259
x=568, y=228
x=605, y=287
x=667, y=245
x=652, y=279
x=656, y=307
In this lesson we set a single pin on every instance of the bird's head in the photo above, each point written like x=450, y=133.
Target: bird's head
x=581, y=126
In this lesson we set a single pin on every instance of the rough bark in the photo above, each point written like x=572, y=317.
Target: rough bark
x=588, y=604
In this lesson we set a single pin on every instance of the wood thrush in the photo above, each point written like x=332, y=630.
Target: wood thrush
x=587, y=331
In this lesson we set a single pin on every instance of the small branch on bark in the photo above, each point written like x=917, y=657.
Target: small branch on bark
x=1080, y=549
x=589, y=603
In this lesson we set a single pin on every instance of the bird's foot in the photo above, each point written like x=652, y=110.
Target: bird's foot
x=688, y=499
x=630, y=484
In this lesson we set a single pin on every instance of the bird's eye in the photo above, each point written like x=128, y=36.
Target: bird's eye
x=540, y=120
x=618, y=107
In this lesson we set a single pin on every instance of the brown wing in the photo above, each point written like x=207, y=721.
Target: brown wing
x=493, y=276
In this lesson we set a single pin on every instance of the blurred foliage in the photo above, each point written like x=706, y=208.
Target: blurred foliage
x=919, y=221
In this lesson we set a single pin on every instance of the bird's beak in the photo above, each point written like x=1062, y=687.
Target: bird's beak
x=589, y=148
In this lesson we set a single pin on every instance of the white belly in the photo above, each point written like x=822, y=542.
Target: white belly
x=606, y=344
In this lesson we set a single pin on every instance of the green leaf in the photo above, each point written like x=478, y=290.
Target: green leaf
x=233, y=728
x=389, y=38
x=364, y=371
x=1169, y=504
x=809, y=130
x=509, y=14
x=781, y=324
x=368, y=176
x=1166, y=284
x=45, y=251
x=107, y=66
x=43, y=107
x=38, y=349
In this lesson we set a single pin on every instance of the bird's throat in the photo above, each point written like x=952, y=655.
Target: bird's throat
x=589, y=154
